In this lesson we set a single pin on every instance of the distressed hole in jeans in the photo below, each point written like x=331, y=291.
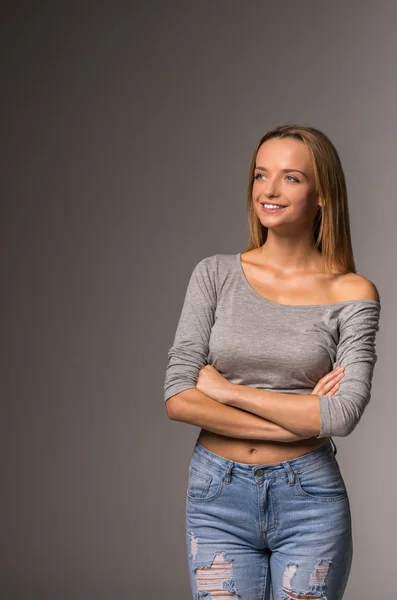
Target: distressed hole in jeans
x=193, y=547
x=316, y=581
x=216, y=580
x=289, y=594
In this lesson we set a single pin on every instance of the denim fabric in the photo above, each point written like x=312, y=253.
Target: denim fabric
x=253, y=530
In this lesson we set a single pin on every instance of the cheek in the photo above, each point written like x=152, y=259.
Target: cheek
x=256, y=196
x=299, y=204
x=255, y=203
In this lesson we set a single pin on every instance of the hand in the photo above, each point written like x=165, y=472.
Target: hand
x=329, y=384
x=213, y=384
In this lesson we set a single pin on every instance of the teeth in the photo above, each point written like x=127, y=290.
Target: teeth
x=272, y=206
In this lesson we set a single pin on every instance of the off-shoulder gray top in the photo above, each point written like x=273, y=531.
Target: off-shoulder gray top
x=286, y=348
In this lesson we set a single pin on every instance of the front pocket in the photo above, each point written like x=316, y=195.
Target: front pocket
x=324, y=484
x=204, y=483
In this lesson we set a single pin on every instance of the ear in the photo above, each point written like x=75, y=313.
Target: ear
x=320, y=201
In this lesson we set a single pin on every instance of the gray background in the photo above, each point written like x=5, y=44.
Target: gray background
x=127, y=133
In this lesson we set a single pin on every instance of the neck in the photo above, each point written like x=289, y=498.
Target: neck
x=290, y=253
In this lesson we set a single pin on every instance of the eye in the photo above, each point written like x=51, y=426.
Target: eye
x=258, y=175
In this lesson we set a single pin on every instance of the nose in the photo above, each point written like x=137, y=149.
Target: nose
x=271, y=189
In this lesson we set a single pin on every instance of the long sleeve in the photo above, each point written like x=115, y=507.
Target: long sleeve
x=189, y=351
x=340, y=413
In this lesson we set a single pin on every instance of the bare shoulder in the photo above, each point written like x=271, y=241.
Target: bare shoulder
x=353, y=286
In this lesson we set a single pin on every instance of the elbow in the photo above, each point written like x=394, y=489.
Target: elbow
x=339, y=429
x=344, y=429
x=175, y=405
x=171, y=406
x=340, y=414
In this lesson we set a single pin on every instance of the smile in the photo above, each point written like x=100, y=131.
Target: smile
x=268, y=208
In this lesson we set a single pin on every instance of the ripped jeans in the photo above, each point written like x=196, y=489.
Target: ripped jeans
x=257, y=531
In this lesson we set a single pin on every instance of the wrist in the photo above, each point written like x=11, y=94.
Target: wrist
x=235, y=395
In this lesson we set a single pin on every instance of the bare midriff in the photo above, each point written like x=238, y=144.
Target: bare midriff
x=257, y=451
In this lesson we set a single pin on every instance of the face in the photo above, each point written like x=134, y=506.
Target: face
x=284, y=175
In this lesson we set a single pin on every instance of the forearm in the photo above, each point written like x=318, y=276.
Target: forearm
x=194, y=407
x=299, y=413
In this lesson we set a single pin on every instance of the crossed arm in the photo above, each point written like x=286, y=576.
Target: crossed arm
x=197, y=408
x=298, y=413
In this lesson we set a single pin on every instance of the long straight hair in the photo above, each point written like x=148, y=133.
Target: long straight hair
x=331, y=227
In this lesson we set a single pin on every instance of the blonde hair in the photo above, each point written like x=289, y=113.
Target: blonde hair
x=331, y=227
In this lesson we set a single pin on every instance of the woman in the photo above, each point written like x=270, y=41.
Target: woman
x=273, y=355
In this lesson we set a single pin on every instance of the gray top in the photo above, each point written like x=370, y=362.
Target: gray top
x=259, y=343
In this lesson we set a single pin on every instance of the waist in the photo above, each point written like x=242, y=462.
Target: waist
x=258, y=451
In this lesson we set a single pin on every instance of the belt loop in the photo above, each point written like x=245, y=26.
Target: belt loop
x=291, y=474
x=228, y=472
x=333, y=444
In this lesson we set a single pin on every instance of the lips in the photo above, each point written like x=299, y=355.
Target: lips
x=269, y=211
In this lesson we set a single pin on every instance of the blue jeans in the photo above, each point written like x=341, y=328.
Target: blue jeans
x=251, y=526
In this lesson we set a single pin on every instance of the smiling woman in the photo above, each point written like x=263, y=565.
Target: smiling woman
x=274, y=354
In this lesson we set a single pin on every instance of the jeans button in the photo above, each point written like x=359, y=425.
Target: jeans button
x=259, y=472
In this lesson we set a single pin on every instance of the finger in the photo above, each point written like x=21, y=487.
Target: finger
x=334, y=378
x=331, y=375
x=327, y=386
x=334, y=389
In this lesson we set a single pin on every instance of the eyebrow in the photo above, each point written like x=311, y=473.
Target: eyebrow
x=285, y=171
